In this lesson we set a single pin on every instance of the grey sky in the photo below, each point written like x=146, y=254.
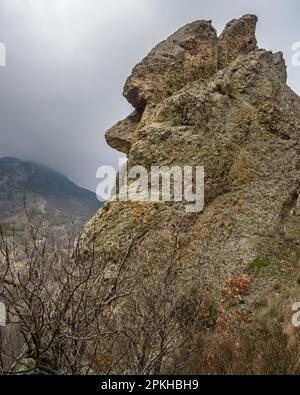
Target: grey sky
x=67, y=61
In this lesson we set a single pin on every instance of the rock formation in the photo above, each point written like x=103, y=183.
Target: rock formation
x=222, y=103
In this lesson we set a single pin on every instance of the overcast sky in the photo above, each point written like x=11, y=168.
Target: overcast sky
x=67, y=61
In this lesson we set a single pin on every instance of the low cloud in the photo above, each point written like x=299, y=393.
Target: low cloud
x=67, y=61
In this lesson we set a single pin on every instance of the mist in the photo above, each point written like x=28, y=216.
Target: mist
x=67, y=62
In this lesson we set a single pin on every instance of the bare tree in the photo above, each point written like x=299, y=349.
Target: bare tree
x=59, y=306
x=85, y=312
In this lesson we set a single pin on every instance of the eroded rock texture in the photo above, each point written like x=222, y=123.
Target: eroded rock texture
x=222, y=103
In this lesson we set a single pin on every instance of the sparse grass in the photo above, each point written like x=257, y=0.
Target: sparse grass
x=260, y=262
x=279, y=256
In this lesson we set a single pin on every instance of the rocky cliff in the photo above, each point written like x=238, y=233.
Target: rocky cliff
x=222, y=103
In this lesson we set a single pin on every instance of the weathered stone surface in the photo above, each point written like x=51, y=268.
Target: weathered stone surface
x=237, y=38
x=193, y=53
x=223, y=104
x=187, y=55
x=122, y=135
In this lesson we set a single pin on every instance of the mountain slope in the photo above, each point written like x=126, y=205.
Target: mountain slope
x=44, y=194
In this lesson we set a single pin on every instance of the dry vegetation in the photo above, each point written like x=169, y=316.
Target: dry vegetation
x=72, y=314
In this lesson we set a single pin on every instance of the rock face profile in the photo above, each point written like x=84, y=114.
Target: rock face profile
x=222, y=103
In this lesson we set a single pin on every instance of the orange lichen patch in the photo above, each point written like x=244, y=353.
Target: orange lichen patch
x=184, y=257
x=140, y=209
x=242, y=210
x=242, y=171
x=219, y=206
x=216, y=210
x=225, y=219
x=244, y=113
x=206, y=222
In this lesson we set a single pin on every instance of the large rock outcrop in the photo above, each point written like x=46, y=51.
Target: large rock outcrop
x=221, y=103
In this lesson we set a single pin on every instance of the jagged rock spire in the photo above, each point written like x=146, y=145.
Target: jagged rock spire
x=193, y=52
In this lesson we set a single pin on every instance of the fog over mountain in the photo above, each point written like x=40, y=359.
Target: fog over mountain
x=67, y=61
x=32, y=190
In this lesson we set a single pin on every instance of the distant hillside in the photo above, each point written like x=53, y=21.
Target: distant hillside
x=47, y=195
